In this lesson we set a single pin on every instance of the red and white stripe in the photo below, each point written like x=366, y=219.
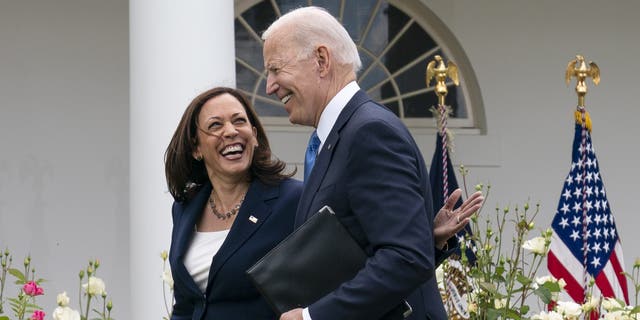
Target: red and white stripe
x=610, y=282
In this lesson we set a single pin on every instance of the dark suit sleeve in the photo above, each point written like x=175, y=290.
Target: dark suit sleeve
x=385, y=190
x=441, y=255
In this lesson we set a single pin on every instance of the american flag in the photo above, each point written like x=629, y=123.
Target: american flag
x=585, y=243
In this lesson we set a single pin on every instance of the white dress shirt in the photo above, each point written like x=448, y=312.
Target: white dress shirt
x=198, y=259
x=331, y=112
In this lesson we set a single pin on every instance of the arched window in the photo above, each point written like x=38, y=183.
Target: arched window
x=396, y=40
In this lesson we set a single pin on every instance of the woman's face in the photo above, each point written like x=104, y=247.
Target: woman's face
x=226, y=139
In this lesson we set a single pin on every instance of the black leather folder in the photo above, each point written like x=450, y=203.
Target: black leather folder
x=311, y=262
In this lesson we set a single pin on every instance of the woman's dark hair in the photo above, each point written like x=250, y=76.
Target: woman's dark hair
x=185, y=175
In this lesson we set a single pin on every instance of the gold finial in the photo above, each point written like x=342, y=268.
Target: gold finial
x=578, y=68
x=440, y=73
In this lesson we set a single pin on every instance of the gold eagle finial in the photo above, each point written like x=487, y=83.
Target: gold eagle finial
x=438, y=70
x=578, y=68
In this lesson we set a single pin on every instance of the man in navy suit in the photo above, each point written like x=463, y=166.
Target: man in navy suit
x=368, y=169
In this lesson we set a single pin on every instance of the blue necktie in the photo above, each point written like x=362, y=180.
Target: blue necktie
x=310, y=155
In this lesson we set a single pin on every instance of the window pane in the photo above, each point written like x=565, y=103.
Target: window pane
x=332, y=6
x=456, y=96
x=245, y=78
x=356, y=17
x=378, y=36
x=414, y=78
x=260, y=16
x=248, y=49
x=413, y=43
x=374, y=77
x=419, y=106
x=366, y=62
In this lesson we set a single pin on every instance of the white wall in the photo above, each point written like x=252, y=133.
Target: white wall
x=64, y=146
x=64, y=121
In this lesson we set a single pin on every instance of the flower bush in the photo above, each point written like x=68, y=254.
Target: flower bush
x=24, y=305
x=503, y=280
x=167, y=282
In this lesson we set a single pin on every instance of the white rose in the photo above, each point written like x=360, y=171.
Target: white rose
x=94, y=287
x=591, y=304
x=62, y=299
x=545, y=279
x=65, y=313
x=610, y=303
x=615, y=315
x=472, y=307
x=562, y=283
x=167, y=278
x=551, y=315
x=536, y=245
x=569, y=309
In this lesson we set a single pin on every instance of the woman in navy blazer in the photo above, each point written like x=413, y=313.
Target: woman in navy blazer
x=233, y=203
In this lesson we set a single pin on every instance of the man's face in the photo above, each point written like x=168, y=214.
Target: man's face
x=294, y=80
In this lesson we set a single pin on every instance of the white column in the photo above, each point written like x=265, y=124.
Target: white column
x=177, y=50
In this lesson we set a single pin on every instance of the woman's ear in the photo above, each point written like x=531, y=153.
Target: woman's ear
x=196, y=155
x=255, y=136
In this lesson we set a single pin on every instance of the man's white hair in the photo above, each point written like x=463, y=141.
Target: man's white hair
x=308, y=27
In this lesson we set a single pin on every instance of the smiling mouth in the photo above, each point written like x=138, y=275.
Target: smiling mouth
x=286, y=98
x=231, y=150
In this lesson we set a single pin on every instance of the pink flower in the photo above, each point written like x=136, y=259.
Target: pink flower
x=37, y=315
x=31, y=288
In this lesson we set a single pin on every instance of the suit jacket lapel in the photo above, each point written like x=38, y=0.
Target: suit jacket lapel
x=312, y=185
x=188, y=220
x=253, y=212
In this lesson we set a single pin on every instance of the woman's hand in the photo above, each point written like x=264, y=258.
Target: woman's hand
x=295, y=314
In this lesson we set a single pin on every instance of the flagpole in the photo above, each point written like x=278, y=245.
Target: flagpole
x=585, y=237
x=453, y=298
x=579, y=69
x=440, y=71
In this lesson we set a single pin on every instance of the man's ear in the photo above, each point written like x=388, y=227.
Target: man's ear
x=323, y=58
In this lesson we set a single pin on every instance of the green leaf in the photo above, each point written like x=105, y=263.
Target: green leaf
x=492, y=314
x=490, y=287
x=522, y=279
x=544, y=293
x=4, y=318
x=552, y=286
x=102, y=315
x=512, y=314
x=18, y=274
x=499, y=271
x=635, y=310
x=33, y=306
